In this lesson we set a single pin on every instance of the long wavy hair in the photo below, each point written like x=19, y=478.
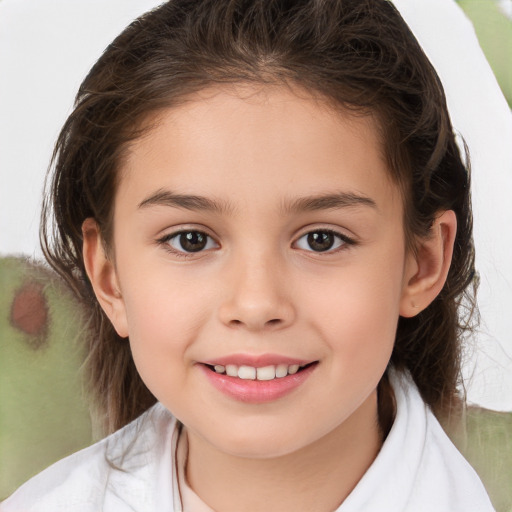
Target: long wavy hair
x=357, y=54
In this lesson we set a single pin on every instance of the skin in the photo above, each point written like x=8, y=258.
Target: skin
x=258, y=287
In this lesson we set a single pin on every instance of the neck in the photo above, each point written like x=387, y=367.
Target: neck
x=317, y=477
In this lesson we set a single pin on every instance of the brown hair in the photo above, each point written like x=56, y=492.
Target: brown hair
x=357, y=54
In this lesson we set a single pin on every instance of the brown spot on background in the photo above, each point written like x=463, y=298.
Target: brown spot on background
x=29, y=313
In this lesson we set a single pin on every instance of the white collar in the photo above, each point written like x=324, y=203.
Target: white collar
x=417, y=469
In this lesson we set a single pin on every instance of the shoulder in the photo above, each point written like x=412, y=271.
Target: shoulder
x=115, y=474
x=440, y=477
x=443, y=477
x=74, y=482
x=418, y=468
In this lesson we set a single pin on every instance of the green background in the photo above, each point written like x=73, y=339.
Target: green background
x=494, y=31
x=55, y=423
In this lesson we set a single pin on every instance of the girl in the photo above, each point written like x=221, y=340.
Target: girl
x=264, y=209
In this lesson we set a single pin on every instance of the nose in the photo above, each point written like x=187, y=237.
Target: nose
x=258, y=296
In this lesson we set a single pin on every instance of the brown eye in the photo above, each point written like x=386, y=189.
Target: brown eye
x=322, y=240
x=190, y=241
x=193, y=241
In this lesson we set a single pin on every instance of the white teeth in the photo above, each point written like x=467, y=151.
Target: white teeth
x=251, y=373
x=247, y=372
x=232, y=370
x=266, y=373
x=293, y=368
x=281, y=370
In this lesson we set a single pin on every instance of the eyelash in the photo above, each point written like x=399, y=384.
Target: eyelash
x=342, y=242
x=167, y=239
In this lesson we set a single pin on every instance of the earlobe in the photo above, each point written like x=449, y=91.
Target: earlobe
x=103, y=277
x=427, y=269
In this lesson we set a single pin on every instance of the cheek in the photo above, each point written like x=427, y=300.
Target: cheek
x=166, y=312
x=157, y=318
x=359, y=308
x=161, y=299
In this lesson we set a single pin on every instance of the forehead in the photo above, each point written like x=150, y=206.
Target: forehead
x=268, y=139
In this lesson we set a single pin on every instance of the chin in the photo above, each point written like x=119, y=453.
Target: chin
x=259, y=441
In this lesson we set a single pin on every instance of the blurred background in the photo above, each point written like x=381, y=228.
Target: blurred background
x=46, y=47
x=492, y=20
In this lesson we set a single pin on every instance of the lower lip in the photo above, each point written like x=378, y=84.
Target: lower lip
x=257, y=391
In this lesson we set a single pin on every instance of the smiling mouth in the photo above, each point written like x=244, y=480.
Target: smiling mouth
x=264, y=373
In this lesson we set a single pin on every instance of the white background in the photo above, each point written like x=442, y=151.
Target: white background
x=47, y=47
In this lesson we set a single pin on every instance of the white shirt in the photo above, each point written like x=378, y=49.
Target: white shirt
x=417, y=470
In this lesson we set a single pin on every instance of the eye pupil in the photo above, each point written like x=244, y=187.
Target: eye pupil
x=320, y=240
x=193, y=241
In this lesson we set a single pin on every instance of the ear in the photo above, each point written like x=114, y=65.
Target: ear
x=103, y=277
x=427, y=268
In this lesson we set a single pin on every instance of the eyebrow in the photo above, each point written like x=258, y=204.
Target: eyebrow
x=328, y=202
x=308, y=203
x=185, y=201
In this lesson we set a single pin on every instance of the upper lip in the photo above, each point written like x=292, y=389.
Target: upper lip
x=256, y=361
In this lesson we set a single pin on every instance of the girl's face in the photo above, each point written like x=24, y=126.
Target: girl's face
x=256, y=230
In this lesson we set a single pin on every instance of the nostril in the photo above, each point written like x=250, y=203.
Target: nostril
x=269, y=323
